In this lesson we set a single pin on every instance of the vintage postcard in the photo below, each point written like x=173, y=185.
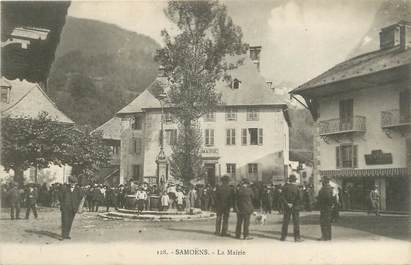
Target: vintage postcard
x=205, y=132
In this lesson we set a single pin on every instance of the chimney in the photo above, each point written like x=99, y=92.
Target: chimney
x=396, y=35
x=269, y=85
x=255, y=55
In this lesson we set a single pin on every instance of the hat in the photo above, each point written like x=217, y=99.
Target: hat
x=72, y=179
x=292, y=178
x=245, y=181
x=325, y=179
x=225, y=179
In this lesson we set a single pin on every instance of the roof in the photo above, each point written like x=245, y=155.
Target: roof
x=362, y=65
x=253, y=90
x=28, y=99
x=111, y=129
x=37, y=23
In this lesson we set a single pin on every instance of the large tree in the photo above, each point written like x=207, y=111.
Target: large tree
x=194, y=60
x=40, y=142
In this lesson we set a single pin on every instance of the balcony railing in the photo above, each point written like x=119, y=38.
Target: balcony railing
x=338, y=126
x=394, y=118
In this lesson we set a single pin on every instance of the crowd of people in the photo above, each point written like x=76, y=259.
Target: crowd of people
x=245, y=198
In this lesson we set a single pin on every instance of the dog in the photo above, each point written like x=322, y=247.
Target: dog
x=260, y=218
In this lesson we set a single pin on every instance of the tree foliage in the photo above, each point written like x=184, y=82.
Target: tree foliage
x=186, y=159
x=194, y=60
x=40, y=142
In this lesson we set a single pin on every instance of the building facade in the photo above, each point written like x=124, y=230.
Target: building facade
x=26, y=99
x=362, y=113
x=246, y=137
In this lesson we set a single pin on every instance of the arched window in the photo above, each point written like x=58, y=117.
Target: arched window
x=236, y=83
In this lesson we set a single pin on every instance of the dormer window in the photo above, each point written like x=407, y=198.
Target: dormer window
x=5, y=94
x=236, y=83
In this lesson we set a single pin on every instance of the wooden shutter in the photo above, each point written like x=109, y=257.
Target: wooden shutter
x=131, y=146
x=212, y=137
x=337, y=157
x=354, y=156
x=233, y=137
x=244, y=136
x=260, y=136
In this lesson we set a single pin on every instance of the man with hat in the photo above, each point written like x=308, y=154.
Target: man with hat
x=375, y=200
x=325, y=203
x=224, y=197
x=291, y=199
x=244, y=208
x=14, y=196
x=70, y=197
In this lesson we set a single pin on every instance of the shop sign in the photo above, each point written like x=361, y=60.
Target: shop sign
x=378, y=157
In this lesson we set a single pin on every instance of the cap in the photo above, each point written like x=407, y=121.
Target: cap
x=225, y=179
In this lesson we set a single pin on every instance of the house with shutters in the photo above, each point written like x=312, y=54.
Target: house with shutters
x=362, y=112
x=246, y=137
x=26, y=99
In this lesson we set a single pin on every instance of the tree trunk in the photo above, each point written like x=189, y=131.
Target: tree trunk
x=19, y=176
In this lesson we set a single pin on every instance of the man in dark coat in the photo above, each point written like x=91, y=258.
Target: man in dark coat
x=70, y=197
x=244, y=208
x=325, y=203
x=31, y=201
x=14, y=200
x=291, y=199
x=224, y=197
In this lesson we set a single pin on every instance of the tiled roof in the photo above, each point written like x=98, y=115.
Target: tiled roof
x=28, y=100
x=362, y=65
x=252, y=91
x=111, y=129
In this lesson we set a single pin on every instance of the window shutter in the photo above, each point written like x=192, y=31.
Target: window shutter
x=354, y=156
x=337, y=156
x=131, y=146
x=244, y=136
x=212, y=137
x=260, y=136
x=233, y=136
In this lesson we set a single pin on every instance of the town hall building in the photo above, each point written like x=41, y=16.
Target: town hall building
x=246, y=137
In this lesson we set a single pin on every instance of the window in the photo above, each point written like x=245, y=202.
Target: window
x=136, y=172
x=137, y=123
x=231, y=114
x=171, y=136
x=168, y=117
x=252, y=114
x=136, y=146
x=231, y=168
x=235, y=84
x=244, y=136
x=346, y=156
x=253, y=136
x=230, y=136
x=253, y=170
x=210, y=116
x=209, y=137
x=115, y=149
x=5, y=94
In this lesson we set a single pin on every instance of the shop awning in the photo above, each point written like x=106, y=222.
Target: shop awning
x=377, y=172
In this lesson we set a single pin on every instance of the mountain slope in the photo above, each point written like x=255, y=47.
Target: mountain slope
x=99, y=68
x=390, y=12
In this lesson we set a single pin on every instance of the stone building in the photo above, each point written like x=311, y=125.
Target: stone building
x=362, y=112
x=247, y=137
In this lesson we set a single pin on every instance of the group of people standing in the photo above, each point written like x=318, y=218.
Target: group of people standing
x=291, y=202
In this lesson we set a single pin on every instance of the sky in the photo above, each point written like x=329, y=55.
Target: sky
x=300, y=39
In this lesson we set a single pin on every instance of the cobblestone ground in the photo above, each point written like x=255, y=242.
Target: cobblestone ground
x=88, y=227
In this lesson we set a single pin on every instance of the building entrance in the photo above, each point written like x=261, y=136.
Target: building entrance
x=397, y=190
x=210, y=174
x=355, y=193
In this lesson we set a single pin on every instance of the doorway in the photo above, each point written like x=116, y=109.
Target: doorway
x=210, y=174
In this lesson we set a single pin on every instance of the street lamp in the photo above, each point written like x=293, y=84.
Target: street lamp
x=161, y=157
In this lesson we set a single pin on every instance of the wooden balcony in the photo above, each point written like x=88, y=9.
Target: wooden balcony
x=391, y=119
x=335, y=127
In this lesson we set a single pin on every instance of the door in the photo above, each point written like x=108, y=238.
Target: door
x=346, y=114
x=405, y=106
x=210, y=174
